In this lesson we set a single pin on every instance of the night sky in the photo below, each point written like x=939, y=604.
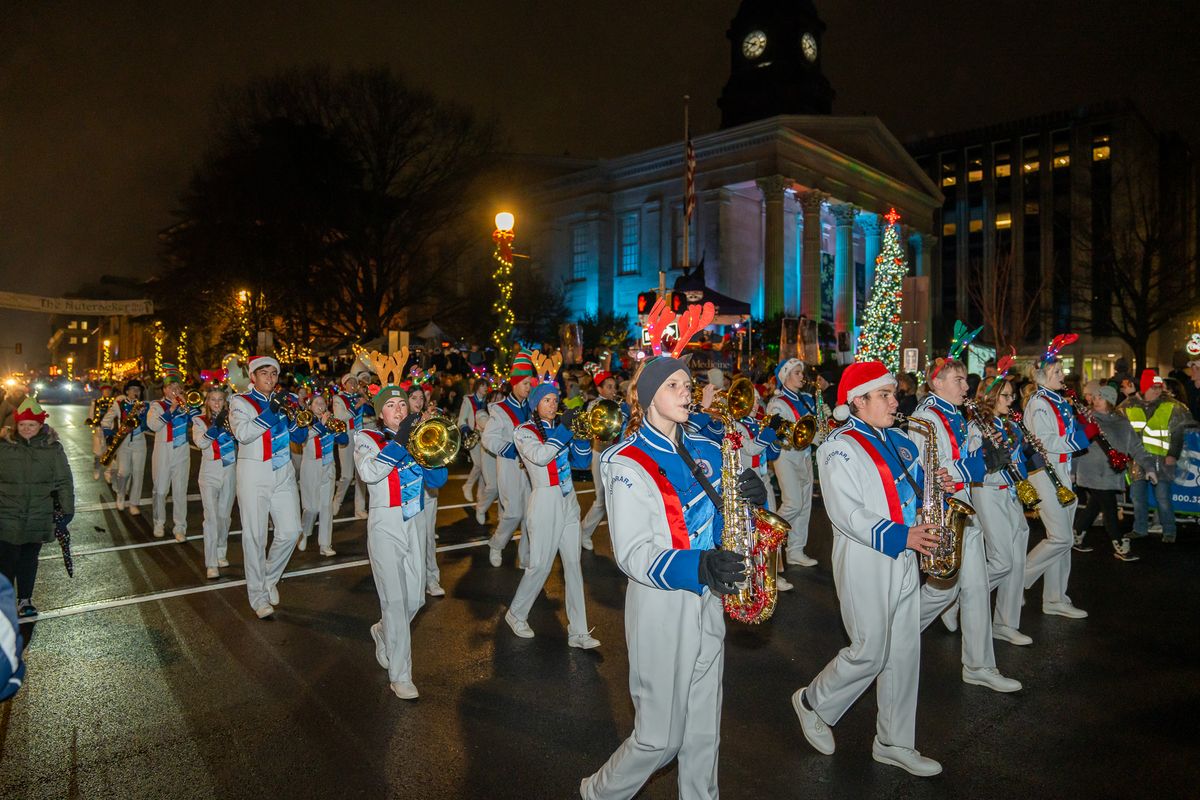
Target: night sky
x=104, y=106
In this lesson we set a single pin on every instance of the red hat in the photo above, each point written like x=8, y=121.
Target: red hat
x=522, y=368
x=601, y=377
x=29, y=410
x=1150, y=379
x=858, y=379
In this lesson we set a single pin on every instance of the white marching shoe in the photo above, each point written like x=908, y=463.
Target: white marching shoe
x=273, y=593
x=133, y=509
x=222, y=562
x=815, y=730
x=583, y=641
x=782, y=583
x=481, y=517
x=802, y=559
x=328, y=551
x=586, y=544
x=181, y=536
x=1063, y=608
x=264, y=611
x=302, y=545
x=519, y=626
x=380, y=649
x=1010, y=635
x=493, y=556
x=405, y=690
x=435, y=590
x=212, y=573
x=159, y=532
x=905, y=758
x=990, y=678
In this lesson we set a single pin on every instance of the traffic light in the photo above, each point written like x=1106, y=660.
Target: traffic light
x=679, y=302
x=17, y=348
x=646, y=301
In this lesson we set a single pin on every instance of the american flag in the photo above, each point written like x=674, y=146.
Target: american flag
x=689, y=181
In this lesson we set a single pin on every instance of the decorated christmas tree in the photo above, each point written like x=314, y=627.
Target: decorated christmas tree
x=880, y=336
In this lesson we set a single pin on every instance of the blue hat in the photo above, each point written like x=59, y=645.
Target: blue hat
x=540, y=391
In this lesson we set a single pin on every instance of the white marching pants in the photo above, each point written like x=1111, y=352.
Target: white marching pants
x=513, y=484
x=169, y=470
x=1051, y=558
x=795, y=474
x=597, y=512
x=428, y=517
x=487, y=492
x=345, y=456
x=131, y=469
x=475, y=476
x=218, y=485
x=316, y=500
x=970, y=588
x=552, y=528
x=262, y=491
x=398, y=567
x=676, y=642
x=1006, y=538
x=881, y=610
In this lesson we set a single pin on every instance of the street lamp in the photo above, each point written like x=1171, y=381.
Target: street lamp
x=503, y=236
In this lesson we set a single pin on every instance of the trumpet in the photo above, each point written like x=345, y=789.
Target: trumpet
x=472, y=439
x=302, y=417
x=434, y=442
x=193, y=399
x=336, y=425
x=793, y=434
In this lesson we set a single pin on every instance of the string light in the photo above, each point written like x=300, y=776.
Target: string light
x=159, y=335
x=183, y=339
x=243, y=316
x=880, y=337
x=502, y=336
x=107, y=360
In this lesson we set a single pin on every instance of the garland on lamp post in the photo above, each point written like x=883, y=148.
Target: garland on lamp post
x=107, y=361
x=159, y=336
x=243, y=321
x=503, y=256
x=182, y=352
x=880, y=337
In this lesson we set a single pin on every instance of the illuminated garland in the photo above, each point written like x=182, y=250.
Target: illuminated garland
x=159, y=336
x=502, y=336
x=243, y=318
x=107, y=362
x=182, y=353
x=880, y=337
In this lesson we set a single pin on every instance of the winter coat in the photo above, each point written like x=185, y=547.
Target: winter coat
x=1177, y=426
x=1092, y=470
x=29, y=471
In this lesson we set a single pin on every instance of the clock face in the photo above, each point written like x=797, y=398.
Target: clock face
x=754, y=44
x=809, y=45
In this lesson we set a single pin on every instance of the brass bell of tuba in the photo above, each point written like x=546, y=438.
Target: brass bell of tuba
x=603, y=421
x=435, y=442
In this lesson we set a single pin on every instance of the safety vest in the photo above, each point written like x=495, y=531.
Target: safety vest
x=1155, y=432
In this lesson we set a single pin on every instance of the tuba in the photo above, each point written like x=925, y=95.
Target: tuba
x=753, y=533
x=603, y=421
x=434, y=442
x=950, y=515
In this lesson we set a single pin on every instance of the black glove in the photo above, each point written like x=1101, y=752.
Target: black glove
x=751, y=487
x=275, y=405
x=720, y=570
x=405, y=429
x=219, y=420
x=568, y=415
x=775, y=422
x=994, y=458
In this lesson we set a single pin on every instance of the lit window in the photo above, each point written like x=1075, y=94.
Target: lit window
x=1003, y=170
x=1062, y=161
x=579, y=253
x=949, y=180
x=72, y=324
x=1031, y=207
x=85, y=340
x=974, y=175
x=975, y=226
x=74, y=340
x=1031, y=166
x=629, y=243
x=949, y=229
x=1003, y=220
x=1101, y=153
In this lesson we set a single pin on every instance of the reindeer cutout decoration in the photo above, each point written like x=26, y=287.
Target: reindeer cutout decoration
x=390, y=369
x=691, y=322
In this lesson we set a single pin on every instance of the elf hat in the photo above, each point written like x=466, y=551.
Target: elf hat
x=859, y=379
x=522, y=368
x=601, y=376
x=29, y=411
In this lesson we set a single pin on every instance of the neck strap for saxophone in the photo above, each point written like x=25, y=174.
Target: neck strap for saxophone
x=695, y=468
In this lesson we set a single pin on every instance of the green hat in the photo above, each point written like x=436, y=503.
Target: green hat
x=386, y=393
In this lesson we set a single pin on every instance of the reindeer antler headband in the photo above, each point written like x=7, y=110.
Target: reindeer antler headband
x=1056, y=344
x=691, y=322
x=958, y=343
x=1002, y=368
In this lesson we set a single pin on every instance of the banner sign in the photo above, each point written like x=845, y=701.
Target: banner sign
x=71, y=305
x=1185, y=490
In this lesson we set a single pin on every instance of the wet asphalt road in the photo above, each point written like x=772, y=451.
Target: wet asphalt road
x=190, y=696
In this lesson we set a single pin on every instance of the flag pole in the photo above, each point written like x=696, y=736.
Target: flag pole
x=687, y=218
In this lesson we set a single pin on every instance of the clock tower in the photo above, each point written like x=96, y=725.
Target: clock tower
x=775, y=62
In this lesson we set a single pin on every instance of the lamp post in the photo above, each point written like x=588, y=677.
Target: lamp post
x=70, y=368
x=502, y=236
x=106, y=363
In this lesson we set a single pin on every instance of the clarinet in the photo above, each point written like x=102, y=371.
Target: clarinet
x=1064, y=495
x=1117, y=460
x=1026, y=492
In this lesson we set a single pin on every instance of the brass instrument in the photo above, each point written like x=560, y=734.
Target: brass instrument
x=472, y=439
x=193, y=399
x=301, y=417
x=1064, y=495
x=434, y=442
x=1026, y=492
x=949, y=515
x=753, y=533
x=603, y=421
x=336, y=425
x=793, y=435
x=128, y=423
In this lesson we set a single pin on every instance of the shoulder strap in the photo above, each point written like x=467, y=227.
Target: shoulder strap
x=695, y=468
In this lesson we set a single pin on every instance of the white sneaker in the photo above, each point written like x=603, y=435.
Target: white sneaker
x=181, y=536
x=586, y=544
x=364, y=515
x=801, y=559
x=222, y=562
x=468, y=495
x=273, y=593
x=120, y=504
x=380, y=648
x=583, y=641
x=302, y=545
x=905, y=758
x=134, y=511
x=435, y=590
x=815, y=730
x=1121, y=550
x=782, y=584
x=493, y=556
x=328, y=551
x=1010, y=635
x=481, y=517
x=159, y=532
x=405, y=690
x=1155, y=528
x=1063, y=609
x=990, y=677
x=212, y=573
x=264, y=611
x=950, y=617
x=519, y=627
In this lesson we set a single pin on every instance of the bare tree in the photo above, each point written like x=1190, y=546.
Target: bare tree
x=1002, y=300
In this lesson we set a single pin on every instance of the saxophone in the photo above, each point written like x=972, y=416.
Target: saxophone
x=1064, y=495
x=950, y=515
x=753, y=533
x=1026, y=492
x=130, y=422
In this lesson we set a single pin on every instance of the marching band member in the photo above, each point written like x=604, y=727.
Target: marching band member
x=317, y=475
x=1050, y=418
x=947, y=382
x=131, y=454
x=350, y=407
x=552, y=517
x=665, y=531
x=1001, y=514
x=872, y=485
x=469, y=420
x=168, y=419
x=217, y=479
x=793, y=468
x=395, y=538
x=760, y=446
x=487, y=492
x=606, y=385
x=504, y=417
x=266, y=484
x=420, y=408
x=99, y=442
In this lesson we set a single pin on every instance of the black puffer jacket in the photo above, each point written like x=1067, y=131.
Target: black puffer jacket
x=29, y=471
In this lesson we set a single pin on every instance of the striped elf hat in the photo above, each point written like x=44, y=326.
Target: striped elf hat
x=522, y=368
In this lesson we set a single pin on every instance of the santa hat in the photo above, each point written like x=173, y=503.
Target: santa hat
x=786, y=368
x=540, y=393
x=258, y=362
x=1149, y=380
x=349, y=376
x=860, y=378
x=522, y=368
x=29, y=411
x=601, y=376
